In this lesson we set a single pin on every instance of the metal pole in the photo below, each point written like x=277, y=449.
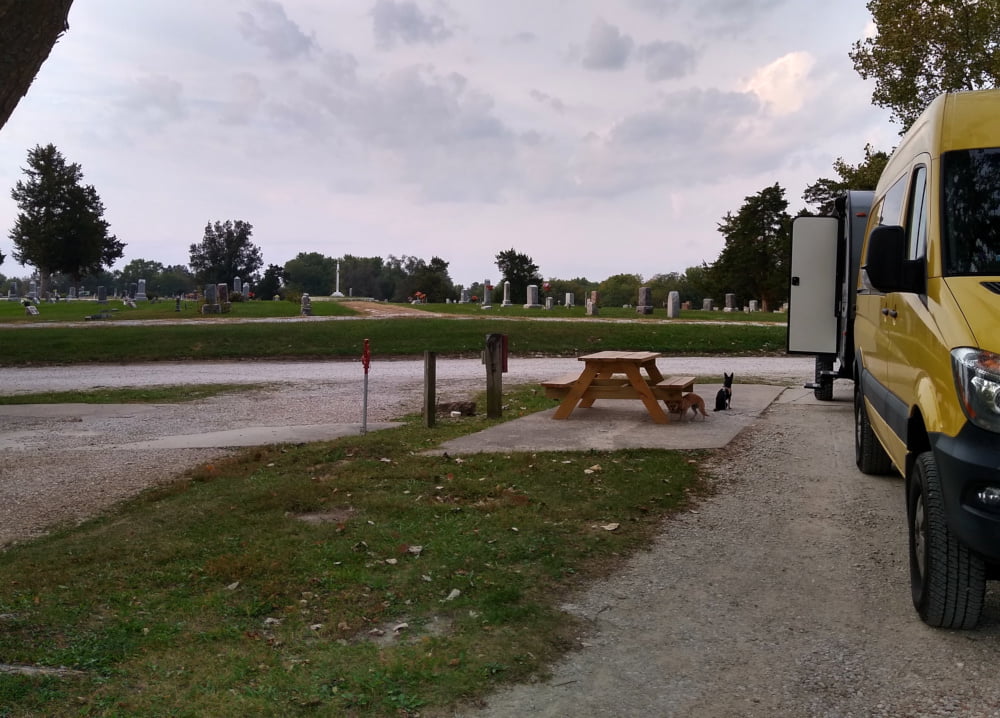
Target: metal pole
x=366, y=360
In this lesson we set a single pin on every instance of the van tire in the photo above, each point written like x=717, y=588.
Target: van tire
x=869, y=455
x=824, y=380
x=947, y=579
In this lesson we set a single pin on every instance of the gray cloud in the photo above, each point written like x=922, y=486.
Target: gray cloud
x=548, y=100
x=154, y=102
x=268, y=26
x=735, y=15
x=667, y=60
x=606, y=47
x=405, y=22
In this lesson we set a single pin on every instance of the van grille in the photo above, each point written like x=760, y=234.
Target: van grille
x=992, y=286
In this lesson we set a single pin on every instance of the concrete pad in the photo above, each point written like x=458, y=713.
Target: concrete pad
x=615, y=424
x=257, y=436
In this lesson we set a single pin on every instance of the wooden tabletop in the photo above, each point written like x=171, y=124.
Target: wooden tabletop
x=610, y=356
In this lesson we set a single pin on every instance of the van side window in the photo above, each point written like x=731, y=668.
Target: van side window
x=970, y=222
x=892, y=204
x=916, y=224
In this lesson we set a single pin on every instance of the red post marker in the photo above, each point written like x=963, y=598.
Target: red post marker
x=366, y=356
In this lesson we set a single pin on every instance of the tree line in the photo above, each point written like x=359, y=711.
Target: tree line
x=918, y=51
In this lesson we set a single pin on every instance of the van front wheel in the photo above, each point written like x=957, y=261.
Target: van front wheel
x=947, y=580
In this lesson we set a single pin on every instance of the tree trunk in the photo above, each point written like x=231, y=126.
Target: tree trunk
x=28, y=31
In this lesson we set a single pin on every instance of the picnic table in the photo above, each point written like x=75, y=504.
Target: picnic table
x=618, y=375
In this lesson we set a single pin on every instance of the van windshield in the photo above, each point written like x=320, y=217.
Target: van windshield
x=971, y=211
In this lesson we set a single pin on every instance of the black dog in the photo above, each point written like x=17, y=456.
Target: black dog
x=724, y=398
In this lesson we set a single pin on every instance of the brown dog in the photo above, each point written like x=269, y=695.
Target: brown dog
x=689, y=401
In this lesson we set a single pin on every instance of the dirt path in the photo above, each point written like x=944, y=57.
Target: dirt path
x=786, y=594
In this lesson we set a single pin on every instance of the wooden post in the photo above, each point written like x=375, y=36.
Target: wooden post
x=430, y=398
x=494, y=376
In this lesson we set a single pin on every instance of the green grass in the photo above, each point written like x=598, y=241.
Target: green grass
x=172, y=394
x=580, y=312
x=79, y=311
x=211, y=595
x=389, y=337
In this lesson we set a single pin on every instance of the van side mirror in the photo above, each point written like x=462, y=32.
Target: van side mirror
x=888, y=268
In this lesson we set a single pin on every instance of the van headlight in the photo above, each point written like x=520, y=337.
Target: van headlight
x=977, y=377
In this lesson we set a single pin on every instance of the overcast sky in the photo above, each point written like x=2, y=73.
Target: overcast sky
x=596, y=136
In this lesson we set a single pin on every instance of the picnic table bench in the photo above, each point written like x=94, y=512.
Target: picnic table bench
x=616, y=375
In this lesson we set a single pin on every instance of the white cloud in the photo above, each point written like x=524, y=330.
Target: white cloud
x=784, y=84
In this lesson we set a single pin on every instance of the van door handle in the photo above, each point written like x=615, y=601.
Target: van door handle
x=890, y=312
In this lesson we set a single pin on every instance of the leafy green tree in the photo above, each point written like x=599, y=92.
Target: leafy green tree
x=365, y=277
x=270, y=284
x=311, y=273
x=176, y=279
x=823, y=192
x=61, y=225
x=925, y=47
x=28, y=31
x=520, y=271
x=579, y=287
x=754, y=261
x=432, y=280
x=138, y=269
x=226, y=252
x=619, y=289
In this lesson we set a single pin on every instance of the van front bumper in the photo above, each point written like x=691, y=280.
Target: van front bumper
x=968, y=464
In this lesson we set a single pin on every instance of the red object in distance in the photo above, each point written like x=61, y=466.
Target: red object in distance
x=366, y=356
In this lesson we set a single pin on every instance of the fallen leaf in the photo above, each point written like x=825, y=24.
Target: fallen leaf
x=455, y=593
x=391, y=561
x=595, y=467
x=610, y=527
x=416, y=550
x=233, y=586
x=400, y=627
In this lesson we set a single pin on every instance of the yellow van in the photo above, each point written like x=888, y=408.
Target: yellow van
x=927, y=349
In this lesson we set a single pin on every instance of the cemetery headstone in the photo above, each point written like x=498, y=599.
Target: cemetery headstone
x=753, y=305
x=506, y=294
x=706, y=305
x=674, y=305
x=532, y=302
x=102, y=295
x=305, y=306
x=211, y=305
x=592, y=308
x=549, y=301
x=487, y=291
x=730, y=303
x=237, y=286
x=72, y=293
x=32, y=290
x=645, y=305
x=140, y=293
x=569, y=299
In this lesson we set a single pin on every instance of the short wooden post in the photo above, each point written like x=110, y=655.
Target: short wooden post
x=430, y=393
x=494, y=376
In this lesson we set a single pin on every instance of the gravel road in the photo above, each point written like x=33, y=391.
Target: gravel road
x=784, y=594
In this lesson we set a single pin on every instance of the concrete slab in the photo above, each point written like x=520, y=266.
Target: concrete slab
x=613, y=425
x=257, y=436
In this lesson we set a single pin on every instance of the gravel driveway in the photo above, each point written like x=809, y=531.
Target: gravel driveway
x=785, y=594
